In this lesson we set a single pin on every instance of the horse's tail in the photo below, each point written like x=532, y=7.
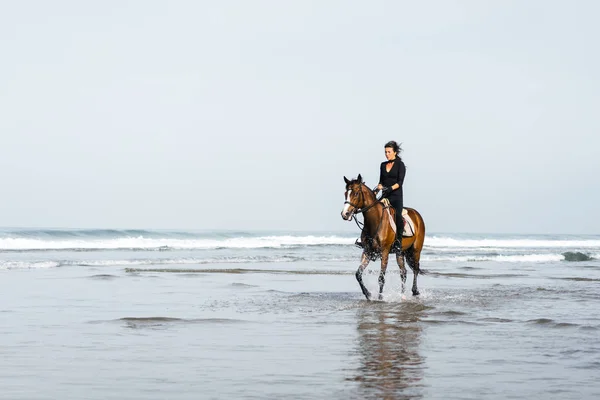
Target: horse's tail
x=421, y=231
x=410, y=255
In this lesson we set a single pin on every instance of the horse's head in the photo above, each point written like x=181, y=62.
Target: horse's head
x=354, y=197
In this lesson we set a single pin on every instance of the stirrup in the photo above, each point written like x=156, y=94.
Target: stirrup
x=396, y=246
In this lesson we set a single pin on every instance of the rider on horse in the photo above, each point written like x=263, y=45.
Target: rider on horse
x=391, y=178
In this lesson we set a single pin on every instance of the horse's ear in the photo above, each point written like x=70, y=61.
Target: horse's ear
x=359, y=179
x=346, y=180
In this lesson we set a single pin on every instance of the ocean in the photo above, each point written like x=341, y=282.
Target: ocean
x=155, y=314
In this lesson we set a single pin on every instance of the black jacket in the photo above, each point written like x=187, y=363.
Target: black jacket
x=396, y=175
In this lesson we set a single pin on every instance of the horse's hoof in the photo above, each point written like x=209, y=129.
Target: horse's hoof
x=380, y=297
x=368, y=296
x=416, y=293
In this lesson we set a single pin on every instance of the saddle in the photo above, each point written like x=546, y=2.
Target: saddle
x=409, y=226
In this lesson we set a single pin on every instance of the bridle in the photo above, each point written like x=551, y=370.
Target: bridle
x=357, y=209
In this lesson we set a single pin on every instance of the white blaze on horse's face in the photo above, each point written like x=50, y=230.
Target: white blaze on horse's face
x=346, y=214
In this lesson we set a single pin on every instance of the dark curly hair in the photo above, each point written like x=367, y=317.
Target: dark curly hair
x=394, y=146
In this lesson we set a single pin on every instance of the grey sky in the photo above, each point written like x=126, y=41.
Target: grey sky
x=247, y=114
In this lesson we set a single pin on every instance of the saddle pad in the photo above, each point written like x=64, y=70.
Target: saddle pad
x=409, y=226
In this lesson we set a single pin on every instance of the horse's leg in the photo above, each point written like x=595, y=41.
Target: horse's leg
x=384, y=262
x=400, y=261
x=413, y=258
x=363, y=264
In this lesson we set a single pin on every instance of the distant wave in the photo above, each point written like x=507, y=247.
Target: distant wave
x=103, y=233
x=97, y=240
x=351, y=259
x=49, y=248
x=163, y=261
x=158, y=244
x=532, y=258
x=449, y=242
x=28, y=264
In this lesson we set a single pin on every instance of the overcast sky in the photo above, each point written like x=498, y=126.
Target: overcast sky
x=247, y=114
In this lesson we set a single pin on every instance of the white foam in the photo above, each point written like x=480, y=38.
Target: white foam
x=181, y=261
x=143, y=243
x=282, y=241
x=28, y=264
x=531, y=258
x=447, y=242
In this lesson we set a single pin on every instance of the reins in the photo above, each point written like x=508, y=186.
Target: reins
x=359, y=210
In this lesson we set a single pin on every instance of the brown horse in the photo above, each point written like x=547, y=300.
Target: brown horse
x=378, y=235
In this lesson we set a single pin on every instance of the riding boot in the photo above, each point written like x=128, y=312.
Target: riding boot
x=397, y=246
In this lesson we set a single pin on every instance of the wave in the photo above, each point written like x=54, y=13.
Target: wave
x=4, y=265
x=532, y=258
x=163, y=244
x=185, y=261
x=105, y=233
x=161, y=241
x=351, y=259
x=449, y=242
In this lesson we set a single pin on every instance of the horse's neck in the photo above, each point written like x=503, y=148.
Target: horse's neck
x=369, y=197
x=372, y=216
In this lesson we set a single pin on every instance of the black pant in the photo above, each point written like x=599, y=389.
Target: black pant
x=396, y=202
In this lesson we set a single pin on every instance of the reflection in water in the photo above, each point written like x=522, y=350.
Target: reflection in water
x=389, y=338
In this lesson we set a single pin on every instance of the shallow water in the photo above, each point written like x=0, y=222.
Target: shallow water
x=300, y=330
x=91, y=332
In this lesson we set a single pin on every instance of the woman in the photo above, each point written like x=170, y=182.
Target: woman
x=391, y=178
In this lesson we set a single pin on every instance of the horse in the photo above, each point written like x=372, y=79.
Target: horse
x=378, y=235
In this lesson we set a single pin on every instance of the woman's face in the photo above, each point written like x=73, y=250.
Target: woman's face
x=390, y=154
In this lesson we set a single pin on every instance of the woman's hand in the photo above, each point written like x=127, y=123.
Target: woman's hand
x=379, y=187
